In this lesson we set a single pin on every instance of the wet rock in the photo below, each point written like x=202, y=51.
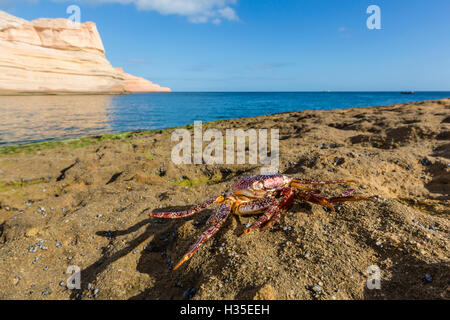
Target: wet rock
x=425, y=162
x=189, y=293
x=317, y=289
x=338, y=161
x=427, y=278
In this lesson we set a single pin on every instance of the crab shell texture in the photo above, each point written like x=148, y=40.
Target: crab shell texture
x=260, y=186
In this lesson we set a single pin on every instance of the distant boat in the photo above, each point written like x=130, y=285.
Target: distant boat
x=407, y=92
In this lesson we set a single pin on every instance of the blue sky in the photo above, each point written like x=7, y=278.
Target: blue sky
x=269, y=45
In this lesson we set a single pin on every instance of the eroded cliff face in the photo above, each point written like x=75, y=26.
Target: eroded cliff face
x=138, y=84
x=56, y=56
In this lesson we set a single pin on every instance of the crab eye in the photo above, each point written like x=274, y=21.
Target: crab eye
x=258, y=185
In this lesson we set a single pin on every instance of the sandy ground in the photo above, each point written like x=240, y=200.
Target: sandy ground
x=87, y=206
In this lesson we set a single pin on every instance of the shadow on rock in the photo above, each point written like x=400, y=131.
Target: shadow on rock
x=408, y=277
x=413, y=279
x=153, y=261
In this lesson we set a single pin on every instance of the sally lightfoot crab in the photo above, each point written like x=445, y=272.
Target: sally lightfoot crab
x=268, y=195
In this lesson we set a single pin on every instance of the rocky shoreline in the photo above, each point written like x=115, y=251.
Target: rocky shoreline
x=84, y=203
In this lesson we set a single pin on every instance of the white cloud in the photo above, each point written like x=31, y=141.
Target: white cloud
x=196, y=11
x=228, y=13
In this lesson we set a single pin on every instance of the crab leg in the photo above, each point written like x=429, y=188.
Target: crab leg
x=274, y=212
x=324, y=201
x=297, y=185
x=313, y=182
x=223, y=212
x=288, y=198
x=266, y=216
x=272, y=221
x=187, y=213
x=349, y=198
x=348, y=192
x=316, y=198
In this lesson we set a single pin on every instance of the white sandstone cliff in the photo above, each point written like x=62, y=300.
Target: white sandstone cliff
x=56, y=56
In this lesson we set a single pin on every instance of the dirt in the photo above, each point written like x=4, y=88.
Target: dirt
x=87, y=206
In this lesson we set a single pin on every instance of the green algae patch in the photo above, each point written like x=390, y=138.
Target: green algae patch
x=70, y=144
x=186, y=182
x=19, y=184
x=90, y=140
x=429, y=206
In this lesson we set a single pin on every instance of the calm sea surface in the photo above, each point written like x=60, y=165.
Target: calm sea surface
x=26, y=119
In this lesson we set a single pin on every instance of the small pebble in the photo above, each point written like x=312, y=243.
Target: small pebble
x=427, y=278
x=62, y=284
x=317, y=289
x=189, y=293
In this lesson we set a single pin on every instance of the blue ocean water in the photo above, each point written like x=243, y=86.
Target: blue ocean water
x=26, y=119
